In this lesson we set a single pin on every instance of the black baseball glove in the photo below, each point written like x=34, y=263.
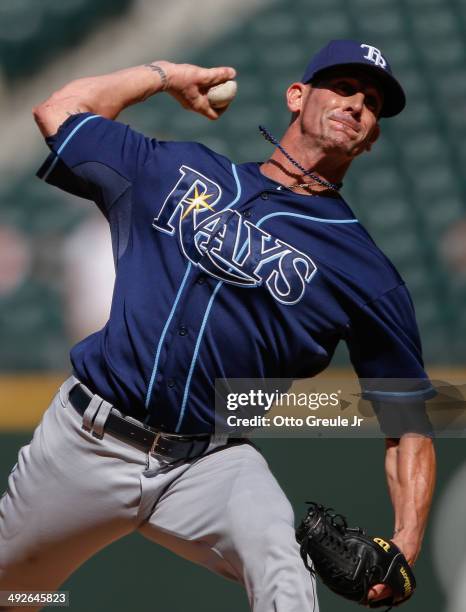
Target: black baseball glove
x=349, y=562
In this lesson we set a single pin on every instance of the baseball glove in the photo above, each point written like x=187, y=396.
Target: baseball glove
x=349, y=562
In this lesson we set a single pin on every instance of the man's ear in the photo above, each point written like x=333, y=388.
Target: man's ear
x=295, y=97
x=373, y=137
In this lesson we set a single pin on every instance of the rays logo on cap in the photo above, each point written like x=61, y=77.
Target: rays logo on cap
x=374, y=55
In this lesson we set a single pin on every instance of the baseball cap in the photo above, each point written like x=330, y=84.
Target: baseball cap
x=354, y=53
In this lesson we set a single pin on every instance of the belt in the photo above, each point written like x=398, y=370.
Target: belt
x=136, y=433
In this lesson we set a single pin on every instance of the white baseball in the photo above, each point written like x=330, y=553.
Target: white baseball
x=221, y=95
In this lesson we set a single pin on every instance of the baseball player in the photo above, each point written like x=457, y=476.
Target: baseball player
x=252, y=270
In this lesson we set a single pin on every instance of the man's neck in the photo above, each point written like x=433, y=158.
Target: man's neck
x=324, y=165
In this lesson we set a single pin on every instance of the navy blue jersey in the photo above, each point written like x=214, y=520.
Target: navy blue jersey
x=222, y=273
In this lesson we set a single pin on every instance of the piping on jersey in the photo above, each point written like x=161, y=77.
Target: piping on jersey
x=206, y=315
x=196, y=352
x=220, y=283
x=164, y=333
x=307, y=217
x=375, y=395
x=65, y=142
x=238, y=187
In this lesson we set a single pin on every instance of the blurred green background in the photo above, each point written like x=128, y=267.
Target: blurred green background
x=410, y=194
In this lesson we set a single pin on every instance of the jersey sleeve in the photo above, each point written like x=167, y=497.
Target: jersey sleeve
x=95, y=158
x=385, y=350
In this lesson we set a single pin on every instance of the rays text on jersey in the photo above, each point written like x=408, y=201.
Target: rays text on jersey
x=228, y=247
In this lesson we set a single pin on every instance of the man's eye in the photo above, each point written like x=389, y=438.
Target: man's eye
x=345, y=88
x=372, y=103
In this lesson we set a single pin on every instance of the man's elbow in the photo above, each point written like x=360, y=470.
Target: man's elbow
x=51, y=113
x=42, y=117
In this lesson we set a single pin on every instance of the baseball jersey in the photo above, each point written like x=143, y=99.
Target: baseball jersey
x=222, y=272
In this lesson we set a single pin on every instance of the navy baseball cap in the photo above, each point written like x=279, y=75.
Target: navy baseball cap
x=354, y=53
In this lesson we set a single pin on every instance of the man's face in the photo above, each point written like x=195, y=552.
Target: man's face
x=340, y=110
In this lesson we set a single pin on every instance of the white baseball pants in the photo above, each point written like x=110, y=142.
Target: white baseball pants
x=71, y=494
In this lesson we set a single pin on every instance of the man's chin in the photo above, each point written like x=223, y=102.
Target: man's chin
x=343, y=147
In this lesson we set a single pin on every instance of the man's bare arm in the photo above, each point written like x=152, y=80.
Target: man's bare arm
x=410, y=466
x=107, y=95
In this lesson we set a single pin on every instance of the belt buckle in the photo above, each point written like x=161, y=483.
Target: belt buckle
x=152, y=450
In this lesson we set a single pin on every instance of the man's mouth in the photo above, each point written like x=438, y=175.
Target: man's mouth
x=346, y=121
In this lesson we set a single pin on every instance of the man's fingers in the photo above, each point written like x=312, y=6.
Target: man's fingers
x=220, y=111
x=193, y=83
x=219, y=75
x=212, y=114
x=201, y=105
x=379, y=591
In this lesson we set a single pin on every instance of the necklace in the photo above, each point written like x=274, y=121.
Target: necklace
x=268, y=136
x=295, y=186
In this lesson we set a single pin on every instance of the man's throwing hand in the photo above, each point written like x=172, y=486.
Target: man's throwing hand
x=190, y=84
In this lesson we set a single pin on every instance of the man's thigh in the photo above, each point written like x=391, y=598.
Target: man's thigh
x=228, y=513
x=69, y=495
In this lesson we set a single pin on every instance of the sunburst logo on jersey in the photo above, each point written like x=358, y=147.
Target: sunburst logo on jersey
x=198, y=202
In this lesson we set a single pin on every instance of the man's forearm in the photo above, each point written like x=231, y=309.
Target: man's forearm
x=109, y=94
x=410, y=468
x=105, y=95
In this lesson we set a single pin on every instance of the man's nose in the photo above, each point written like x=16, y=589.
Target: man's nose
x=355, y=103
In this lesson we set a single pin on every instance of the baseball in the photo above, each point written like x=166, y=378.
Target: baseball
x=221, y=95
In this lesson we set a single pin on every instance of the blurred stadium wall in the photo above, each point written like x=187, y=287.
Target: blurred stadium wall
x=410, y=194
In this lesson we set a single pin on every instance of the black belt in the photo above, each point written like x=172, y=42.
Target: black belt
x=174, y=446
